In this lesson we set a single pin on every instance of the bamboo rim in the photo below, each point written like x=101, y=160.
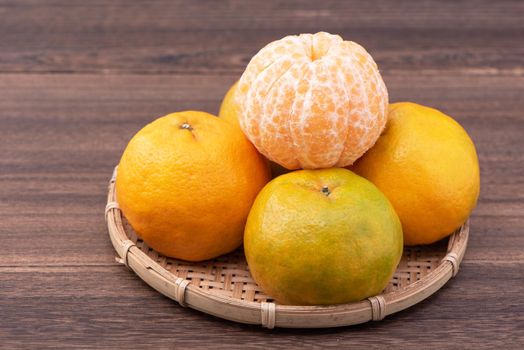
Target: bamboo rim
x=269, y=314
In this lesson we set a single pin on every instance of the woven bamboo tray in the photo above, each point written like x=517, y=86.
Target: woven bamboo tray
x=223, y=287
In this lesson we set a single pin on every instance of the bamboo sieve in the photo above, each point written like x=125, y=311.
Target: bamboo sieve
x=223, y=287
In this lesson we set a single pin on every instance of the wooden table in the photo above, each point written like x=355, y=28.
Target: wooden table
x=79, y=78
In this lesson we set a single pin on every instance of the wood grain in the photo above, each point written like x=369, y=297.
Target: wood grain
x=86, y=308
x=211, y=36
x=78, y=79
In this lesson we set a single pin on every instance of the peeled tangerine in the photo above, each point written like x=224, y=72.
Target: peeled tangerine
x=312, y=101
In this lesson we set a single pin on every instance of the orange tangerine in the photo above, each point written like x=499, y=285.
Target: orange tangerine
x=229, y=107
x=186, y=183
x=427, y=166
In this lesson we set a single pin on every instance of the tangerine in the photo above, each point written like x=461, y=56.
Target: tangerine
x=426, y=164
x=186, y=183
x=323, y=236
x=312, y=101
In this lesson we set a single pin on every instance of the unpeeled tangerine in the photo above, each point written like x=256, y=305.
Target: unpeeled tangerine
x=312, y=101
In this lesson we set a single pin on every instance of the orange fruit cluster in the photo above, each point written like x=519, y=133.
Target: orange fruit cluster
x=194, y=186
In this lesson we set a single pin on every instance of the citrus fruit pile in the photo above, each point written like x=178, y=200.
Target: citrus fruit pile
x=307, y=165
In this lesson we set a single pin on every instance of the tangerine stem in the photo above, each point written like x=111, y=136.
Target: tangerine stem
x=186, y=126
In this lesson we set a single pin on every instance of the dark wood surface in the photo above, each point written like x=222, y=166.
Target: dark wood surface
x=79, y=78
